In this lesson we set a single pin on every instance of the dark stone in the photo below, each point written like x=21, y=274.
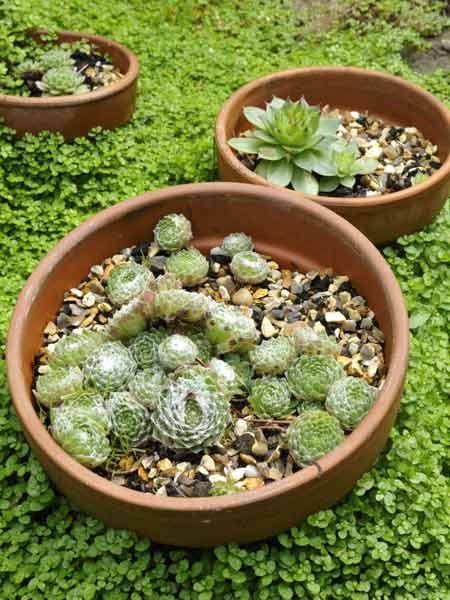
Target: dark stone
x=321, y=284
x=219, y=256
x=278, y=314
x=200, y=477
x=201, y=488
x=140, y=251
x=346, y=286
x=257, y=314
x=293, y=316
x=157, y=265
x=173, y=490
x=245, y=442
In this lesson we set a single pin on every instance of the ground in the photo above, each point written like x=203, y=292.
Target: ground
x=389, y=539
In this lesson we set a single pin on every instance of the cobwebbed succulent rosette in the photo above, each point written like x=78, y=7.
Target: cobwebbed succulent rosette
x=148, y=385
x=130, y=421
x=310, y=377
x=173, y=232
x=192, y=413
x=92, y=401
x=242, y=366
x=228, y=377
x=349, y=400
x=313, y=434
x=270, y=398
x=58, y=383
x=171, y=305
x=128, y=321
x=109, y=367
x=273, y=356
x=309, y=341
x=249, y=267
x=236, y=242
x=230, y=330
x=144, y=347
x=197, y=335
x=73, y=349
x=177, y=351
x=127, y=281
x=189, y=266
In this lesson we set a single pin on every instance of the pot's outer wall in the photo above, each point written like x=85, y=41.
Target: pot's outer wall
x=75, y=115
x=383, y=218
x=299, y=234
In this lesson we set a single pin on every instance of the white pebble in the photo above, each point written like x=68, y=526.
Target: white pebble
x=208, y=463
x=334, y=317
x=267, y=329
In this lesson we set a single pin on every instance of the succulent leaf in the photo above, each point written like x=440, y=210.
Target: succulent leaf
x=73, y=349
x=128, y=321
x=130, y=420
x=109, y=367
x=313, y=434
x=230, y=330
x=177, y=351
x=144, y=347
x=273, y=356
x=56, y=58
x=237, y=242
x=228, y=377
x=181, y=304
x=127, y=281
x=61, y=81
x=58, y=383
x=148, y=385
x=308, y=341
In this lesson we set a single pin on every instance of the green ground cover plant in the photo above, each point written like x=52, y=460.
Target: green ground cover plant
x=389, y=539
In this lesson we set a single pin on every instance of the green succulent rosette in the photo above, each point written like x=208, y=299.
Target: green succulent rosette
x=242, y=366
x=56, y=57
x=148, y=385
x=170, y=305
x=144, y=347
x=270, y=398
x=228, y=377
x=90, y=400
x=62, y=81
x=249, y=267
x=177, y=351
x=110, y=367
x=73, y=349
x=349, y=400
x=173, y=232
x=230, y=330
x=273, y=356
x=128, y=321
x=197, y=335
x=236, y=242
x=130, y=421
x=313, y=434
x=310, y=377
x=58, y=383
x=308, y=341
x=127, y=281
x=189, y=266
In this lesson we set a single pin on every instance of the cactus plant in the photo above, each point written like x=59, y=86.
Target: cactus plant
x=180, y=304
x=310, y=377
x=148, y=385
x=230, y=330
x=249, y=267
x=189, y=266
x=144, y=347
x=58, y=383
x=109, y=367
x=62, y=81
x=173, y=232
x=192, y=413
x=349, y=400
x=273, y=356
x=128, y=321
x=313, y=434
x=127, y=281
x=308, y=341
x=80, y=434
x=73, y=349
x=177, y=351
x=270, y=398
x=130, y=421
x=236, y=242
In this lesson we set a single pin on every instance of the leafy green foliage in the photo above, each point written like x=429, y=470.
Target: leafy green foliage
x=389, y=539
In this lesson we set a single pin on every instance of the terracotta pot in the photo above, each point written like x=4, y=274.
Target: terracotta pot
x=297, y=233
x=383, y=218
x=76, y=115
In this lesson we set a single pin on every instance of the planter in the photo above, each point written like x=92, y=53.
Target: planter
x=75, y=115
x=298, y=234
x=381, y=218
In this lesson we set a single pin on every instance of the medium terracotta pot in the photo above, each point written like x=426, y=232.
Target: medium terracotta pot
x=297, y=233
x=383, y=218
x=75, y=115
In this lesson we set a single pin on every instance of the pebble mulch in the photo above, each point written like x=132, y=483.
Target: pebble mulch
x=253, y=451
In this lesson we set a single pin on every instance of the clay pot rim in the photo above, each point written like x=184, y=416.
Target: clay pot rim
x=236, y=102
x=391, y=388
x=92, y=96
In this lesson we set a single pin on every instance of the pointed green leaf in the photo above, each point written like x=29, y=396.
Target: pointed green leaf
x=302, y=181
x=328, y=126
x=261, y=168
x=348, y=181
x=362, y=166
x=280, y=172
x=317, y=161
x=265, y=137
x=255, y=116
x=271, y=152
x=245, y=145
x=328, y=184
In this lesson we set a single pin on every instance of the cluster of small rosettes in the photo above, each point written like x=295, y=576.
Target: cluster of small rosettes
x=349, y=400
x=177, y=304
x=249, y=267
x=148, y=385
x=310, y=377
x=313, y=434
x=60, y=81
x=228, y=377
x=128, y=321
x=189, y=266
x=173, y=232
x=230, y=330
x=127, y=281
x=177, y=351
x=109, y=367
x=273, y=356
x=236, y=242
x=270, y=398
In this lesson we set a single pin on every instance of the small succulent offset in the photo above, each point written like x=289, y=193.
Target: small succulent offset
x=310, y=377
x=177, y=351
x=61, y=81
x=230, y=330
x=90, y=400
x=127, y=281
x=189, y=266
x=273, y=356
x=249, y=267
x=196, y=334
x=349, y=400
x=313, y=434
x=309, y=341
x=109, y=367
x=242, y=366
x=130, y=420
x=148, y=385
x=270, y=398
x=236, y=242
x=192, y=413
x=348, y=163
x=173, y=232
x=144, y=347
x=58, y=383
x=170, y=305
x=128, y=321
x=73, y=349
x=228, y=377
x=56, y=58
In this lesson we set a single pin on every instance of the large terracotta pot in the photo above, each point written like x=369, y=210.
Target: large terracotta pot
x=297, y=233
x=383, y=218
x=75, y=115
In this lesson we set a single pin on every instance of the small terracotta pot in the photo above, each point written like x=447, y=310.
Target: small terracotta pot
x=75, y=115
x=381, y=218
x=299, y=234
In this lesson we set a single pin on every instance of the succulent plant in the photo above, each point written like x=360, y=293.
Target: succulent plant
x=62, y=81
x=249, y=267
x=168, y=281
x=197, y=335
x=148, y=385
x=230, y=330
x=273, y=356
x=109, y=367
x=56, y=58
x=308, y=341
x=189, y=266
x=310, y=377
x=177, y=351
x=73, y=349
x=80, y=434
x=144, y=347
x=349, y=400
x=313, y=434
x=242, y=366
x=228, y=377
x=130, y=420
x=58, y=383
x=306, y=405
x=91, y=401
x=348, y=163
x=224, y=488
x=237, y=242
x=180, y=304
x=127, y=281
x=173, y=232
x=128, y=321
x=291, y=140
x=29, y=66
x=270, y=398
x=192, y=413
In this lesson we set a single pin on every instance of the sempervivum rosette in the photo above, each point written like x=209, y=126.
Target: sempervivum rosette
x=148, y=385
x=177, y=351
x=144, y=347
x=130, y=420
x=309, y=341
x=58, y=383
x=313, y=434
x=170, y=305
x=189, y=266
x=109, y=367
x=230, y=330
x=236, y=242
x=270, y=398
x=128, y=321
x=349, y=400
x=310, y=377
x=273, y=356
x=173, y=232
x=73, y=349
x=127, y=281
x=249, y=267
